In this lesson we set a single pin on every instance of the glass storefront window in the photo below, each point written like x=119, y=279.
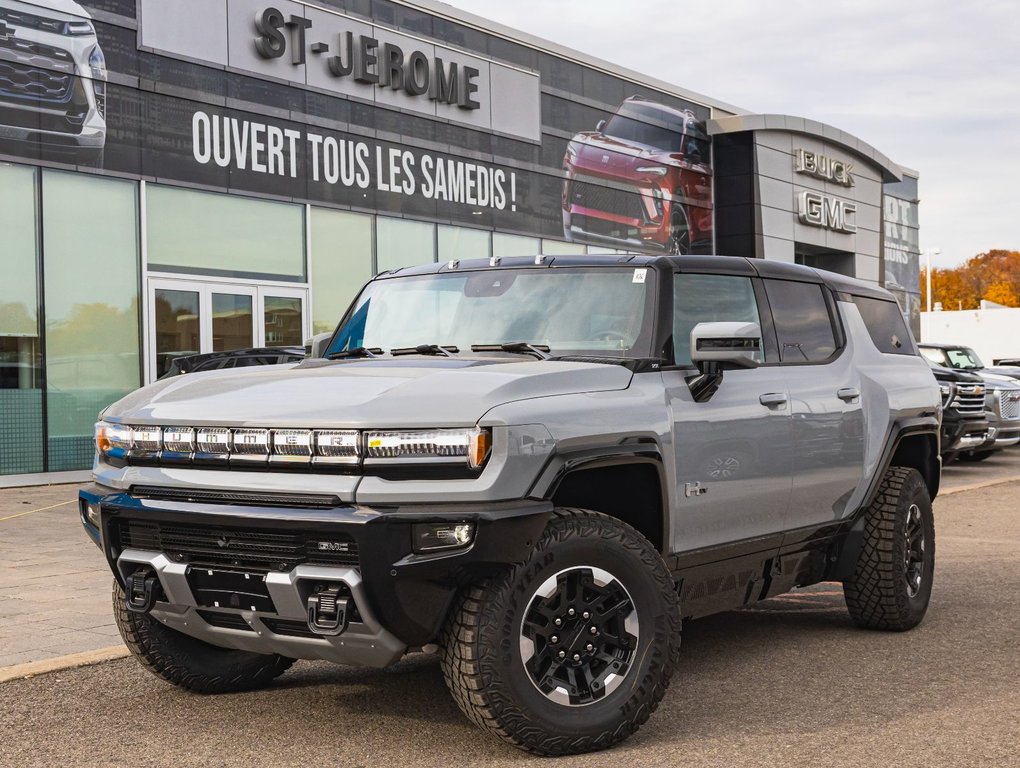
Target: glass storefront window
x=90, y=236
x=209, y=233
x=176, y=317
x=341, y=262
x=21, y=406
x=514, y=245
x=403, y=243
x=461, y=244
x=283, y=321
x=231, y=321
x=561, y=248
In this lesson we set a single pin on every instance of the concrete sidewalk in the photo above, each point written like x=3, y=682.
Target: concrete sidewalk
x=54, y=582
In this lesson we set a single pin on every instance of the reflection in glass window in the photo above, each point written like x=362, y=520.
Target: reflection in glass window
x=176, y=317
x=341, y=263
x=90, y=235
x=461, y=244
x=232, y=326
x=403, y=243
x=283, y=321
x=209, y=233
x=21, y=421
x=709, y=299
x=802, y=320
x=514, y=245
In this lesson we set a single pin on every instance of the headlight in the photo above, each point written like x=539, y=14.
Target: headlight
x=947, y=394
x=97, y=63
x=658, y=170
x=429, y=537
x=446, y=446
x=113, y=440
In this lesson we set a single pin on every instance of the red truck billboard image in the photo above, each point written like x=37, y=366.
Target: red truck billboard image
x=641, y=179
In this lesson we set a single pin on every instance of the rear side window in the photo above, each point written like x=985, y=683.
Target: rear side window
x=706, y=299
x=803, y=324
x=885, y=325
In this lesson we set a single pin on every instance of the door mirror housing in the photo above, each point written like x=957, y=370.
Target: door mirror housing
x=316, y=346
x=726, y=345
x=600, y=125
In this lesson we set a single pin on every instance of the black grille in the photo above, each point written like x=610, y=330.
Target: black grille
x=289, y=627
x=970, y=400
x=601, y=198
x=34, y=83
x=301, y=500
x=247, y=549
x=225, y=620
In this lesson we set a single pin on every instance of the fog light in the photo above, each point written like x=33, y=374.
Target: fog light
x=429, y=537
x=91, y=512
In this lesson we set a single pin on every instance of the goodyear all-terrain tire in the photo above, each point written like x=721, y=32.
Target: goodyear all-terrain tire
x=892, y=580
x=188, y=662
x=572, y=650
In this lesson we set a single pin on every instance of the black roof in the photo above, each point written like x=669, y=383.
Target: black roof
x=725, y=265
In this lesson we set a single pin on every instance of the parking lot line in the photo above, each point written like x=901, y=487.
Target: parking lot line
x=41, y=509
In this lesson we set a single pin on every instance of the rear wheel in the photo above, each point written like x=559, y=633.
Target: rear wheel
x=892, y=581
x=188, y=662
x=571, y=651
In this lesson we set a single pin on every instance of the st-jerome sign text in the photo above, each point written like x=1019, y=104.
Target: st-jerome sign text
x=363, y=59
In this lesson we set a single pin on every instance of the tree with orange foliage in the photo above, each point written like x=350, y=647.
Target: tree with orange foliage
x=994, y=275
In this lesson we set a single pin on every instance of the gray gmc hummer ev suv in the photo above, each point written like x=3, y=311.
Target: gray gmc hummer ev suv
x=536, y=467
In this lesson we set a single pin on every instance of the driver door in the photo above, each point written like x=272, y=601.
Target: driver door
x=732, y=451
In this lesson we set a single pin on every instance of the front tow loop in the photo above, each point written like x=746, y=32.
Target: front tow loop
x=328, y=612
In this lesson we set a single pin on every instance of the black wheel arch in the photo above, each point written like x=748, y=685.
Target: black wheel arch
x=627, y=482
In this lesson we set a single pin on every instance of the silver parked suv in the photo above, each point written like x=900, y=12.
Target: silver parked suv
x=52, y=81
x=536, y=467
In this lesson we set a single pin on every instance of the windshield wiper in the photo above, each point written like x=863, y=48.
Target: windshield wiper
x=426, y=349
x=541, y=351
x=355, y=352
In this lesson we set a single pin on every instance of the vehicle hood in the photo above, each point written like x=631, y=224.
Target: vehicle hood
x=604, y=153
x=952, y=374
x=995, y=379
x=1008, y=371
x=54, y=9
x=408, y=392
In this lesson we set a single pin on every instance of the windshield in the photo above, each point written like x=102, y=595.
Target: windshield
x=596, y=310
x=960, y=358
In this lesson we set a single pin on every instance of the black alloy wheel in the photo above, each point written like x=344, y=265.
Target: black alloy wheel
x=579, y=636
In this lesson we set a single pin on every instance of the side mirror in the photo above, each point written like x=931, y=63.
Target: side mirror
x=717, y=346
x=734, y=344
x=316, y=346
x=600, y=125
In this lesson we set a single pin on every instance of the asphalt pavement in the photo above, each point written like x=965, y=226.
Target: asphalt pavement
x=790, y=681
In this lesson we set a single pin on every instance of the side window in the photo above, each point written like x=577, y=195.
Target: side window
x=803, y=324
x=885, y=325
x=707, y=299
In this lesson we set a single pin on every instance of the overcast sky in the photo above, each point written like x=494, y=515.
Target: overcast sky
x=934, y=84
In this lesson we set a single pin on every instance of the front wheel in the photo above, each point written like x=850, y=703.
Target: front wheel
x=572, y=650
x=892, y=580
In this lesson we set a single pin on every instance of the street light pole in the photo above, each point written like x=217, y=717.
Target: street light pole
x=928, y=252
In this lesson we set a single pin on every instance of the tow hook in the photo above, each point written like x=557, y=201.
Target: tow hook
x=327, y=612
x=143, y=591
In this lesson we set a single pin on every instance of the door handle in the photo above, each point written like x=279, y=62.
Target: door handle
x=773, y=399
x=848, y=394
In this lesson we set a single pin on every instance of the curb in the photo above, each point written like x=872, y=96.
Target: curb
x=978, y=486
x=32, y=668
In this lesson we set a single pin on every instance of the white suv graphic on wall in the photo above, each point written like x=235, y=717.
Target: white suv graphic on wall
x=52, y=82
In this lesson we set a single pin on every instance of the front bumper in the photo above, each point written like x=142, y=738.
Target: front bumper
x=963, y=435
x=399, y=599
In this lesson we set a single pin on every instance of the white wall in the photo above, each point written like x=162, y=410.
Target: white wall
x=992, y=333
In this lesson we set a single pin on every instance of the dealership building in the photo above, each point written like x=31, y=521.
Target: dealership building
x=182, y=176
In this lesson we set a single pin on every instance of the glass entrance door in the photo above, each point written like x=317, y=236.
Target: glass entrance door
x=188, y=317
